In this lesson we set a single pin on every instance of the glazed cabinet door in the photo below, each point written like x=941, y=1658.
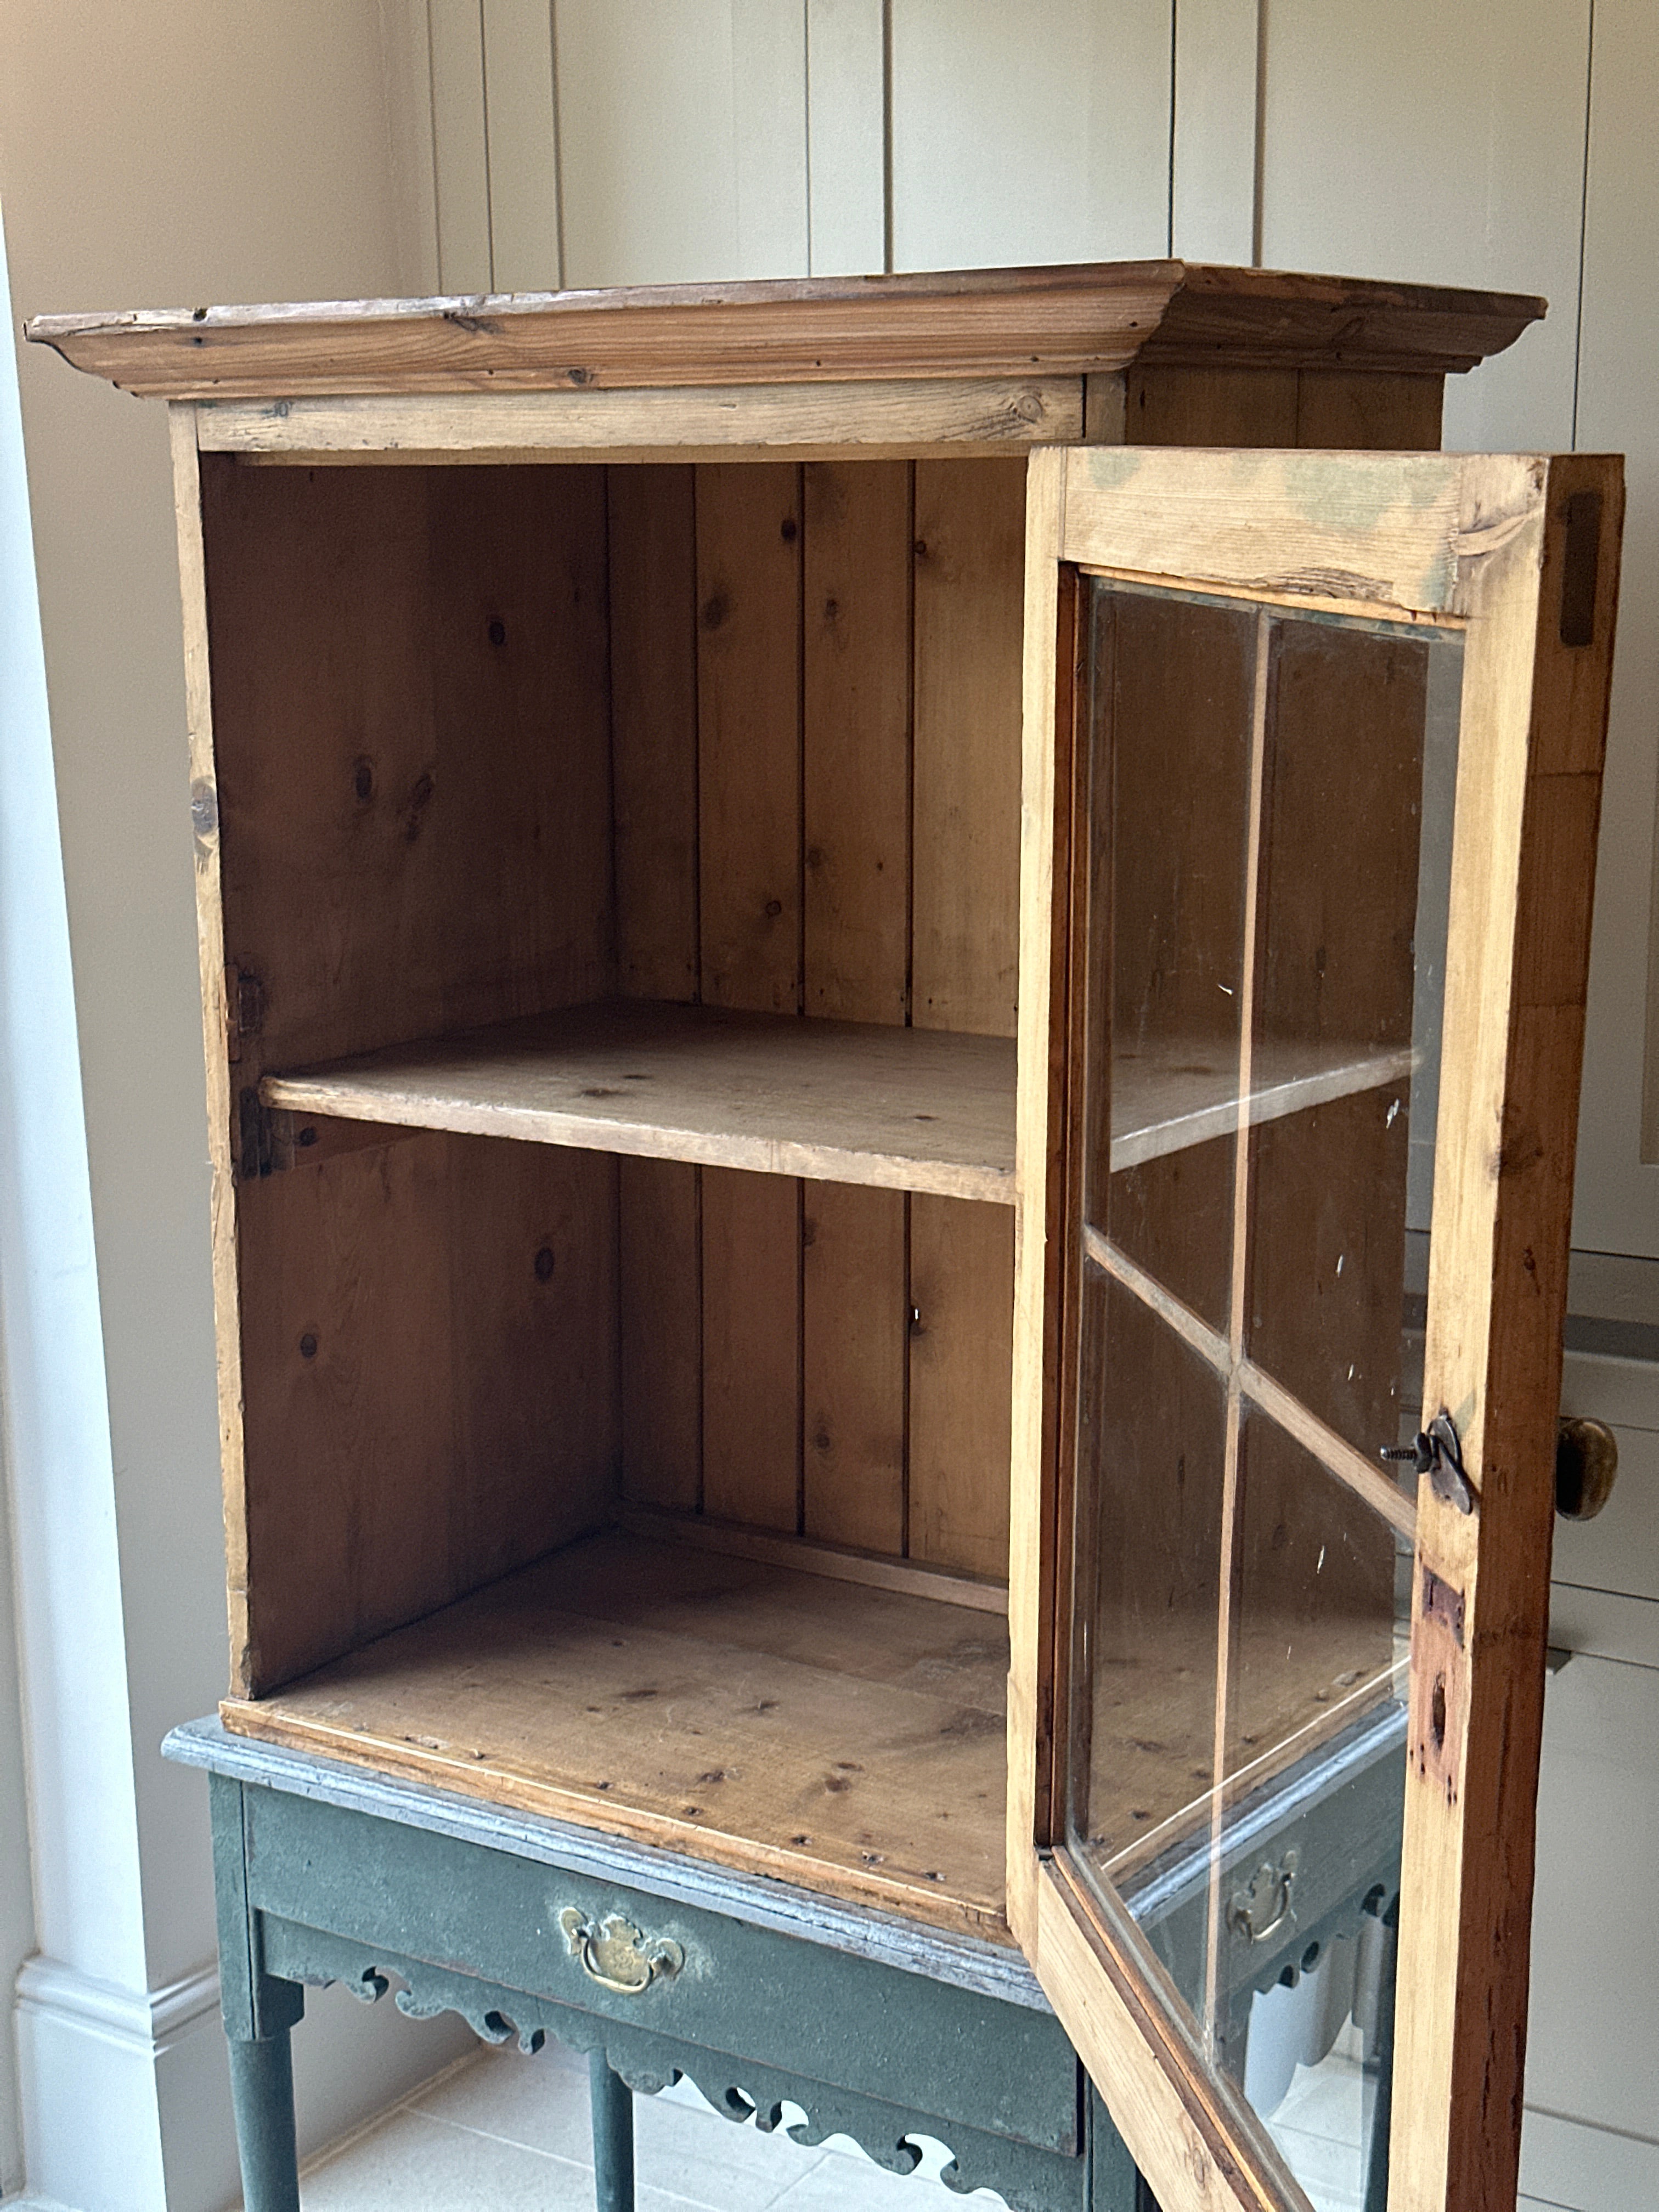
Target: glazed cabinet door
x=1313, y=747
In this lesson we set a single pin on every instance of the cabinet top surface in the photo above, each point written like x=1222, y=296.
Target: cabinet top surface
x=1059, y=321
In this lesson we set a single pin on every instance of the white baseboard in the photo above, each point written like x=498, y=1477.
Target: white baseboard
x=126, y=2094
x=1583, y=2168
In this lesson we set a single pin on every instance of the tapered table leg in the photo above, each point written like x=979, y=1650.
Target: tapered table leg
x=613, y=2137
x=261, y=2096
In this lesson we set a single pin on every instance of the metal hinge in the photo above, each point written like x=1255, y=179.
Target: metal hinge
x=255, y=1149
x=1439, y=1454
x=245, y=1009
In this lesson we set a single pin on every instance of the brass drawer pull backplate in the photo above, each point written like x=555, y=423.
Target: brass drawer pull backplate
x=617, y=1955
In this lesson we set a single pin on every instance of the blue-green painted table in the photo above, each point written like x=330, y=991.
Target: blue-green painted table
x=876, y=2027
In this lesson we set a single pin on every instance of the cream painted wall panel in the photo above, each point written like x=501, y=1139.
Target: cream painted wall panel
x=1443, y=141
x=768, y=137
x=406, y=49
x=521, y=145
x=1032, y=134
x=1618, y=1203
x=1212, y=158
x=460, y=145
x=845, y=136
x=684, y=140
x=202, y=151
x=1594, y=2025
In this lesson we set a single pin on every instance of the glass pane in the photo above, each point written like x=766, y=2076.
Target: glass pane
x=1151, y=1444
x=1349, y=976
x=1314, y=1766
x=1167, y=916
x=1270, y=799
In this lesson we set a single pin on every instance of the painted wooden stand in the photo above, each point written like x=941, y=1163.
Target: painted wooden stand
x=876, y=2027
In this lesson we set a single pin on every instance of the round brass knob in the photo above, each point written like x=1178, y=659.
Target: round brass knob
x=1586, y=1465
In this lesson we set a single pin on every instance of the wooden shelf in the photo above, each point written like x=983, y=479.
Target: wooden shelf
x=842, y=1737
x=1183, y=1092
x=838, y=1102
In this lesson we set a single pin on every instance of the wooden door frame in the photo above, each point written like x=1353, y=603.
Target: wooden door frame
x=1522, y=553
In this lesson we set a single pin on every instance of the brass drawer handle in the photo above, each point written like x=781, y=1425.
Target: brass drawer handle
x=1262, y=1909
x=617, y=1955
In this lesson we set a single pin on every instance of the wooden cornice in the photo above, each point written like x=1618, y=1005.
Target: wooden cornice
x=1076, y=320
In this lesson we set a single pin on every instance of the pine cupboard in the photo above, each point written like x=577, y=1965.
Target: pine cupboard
x=828, y=1302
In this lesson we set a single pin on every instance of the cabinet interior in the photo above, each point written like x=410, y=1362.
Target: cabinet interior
x=664, y=816
x=619, y=879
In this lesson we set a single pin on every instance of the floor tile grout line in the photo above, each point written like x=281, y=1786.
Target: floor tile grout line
x=328, y=2152
x=506, y=2143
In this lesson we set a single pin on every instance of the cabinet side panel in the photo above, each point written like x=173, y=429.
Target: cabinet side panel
x=347, y=1354
x=653, y=746
x=749, y=788
x=856, y=841
x=429, y=1401
x=220, y=1088
x=969, y=553
x=410, y=689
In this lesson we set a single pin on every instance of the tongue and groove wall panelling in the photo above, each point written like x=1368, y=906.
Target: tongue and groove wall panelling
x=1032, y=134
x=749, y=780
x=522, y=149
x=1617, y=1207
x=460, y=145
x=1471, y=168
x=1213, y=144
x=683, y=140
x=847, y=137
x=1438, y=142
x=856, y=830
x=969, y=586
x=653, y=759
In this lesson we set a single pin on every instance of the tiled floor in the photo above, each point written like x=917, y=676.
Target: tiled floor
x=502, y=2133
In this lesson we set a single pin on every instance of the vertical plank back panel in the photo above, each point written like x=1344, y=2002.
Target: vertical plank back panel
x=1347, y=409
x=961, y=1286
x=751, y=1342
x=748, y=778
x=659, y=1272
x=856, y=839
x=532, y=1290
x=854, y=1314
x=653, y=748
x=653, y=728
x=1172, y=404
x=971, y=564
x=522, y=802
x=970, y=559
